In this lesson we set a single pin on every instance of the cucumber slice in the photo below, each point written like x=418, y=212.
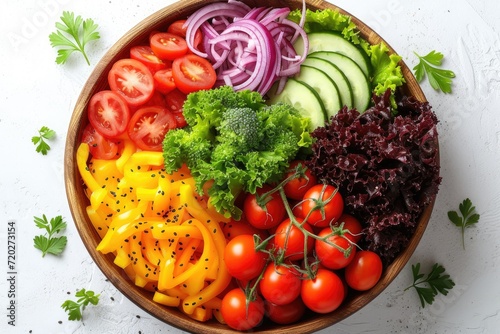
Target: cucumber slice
x=359, y=82
x=345, y=90
x=303, y=98
x=330, y=41
x=325, y=87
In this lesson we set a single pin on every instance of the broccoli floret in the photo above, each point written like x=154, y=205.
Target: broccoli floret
x=240, y=127
x=208, y=105
x=236, y=142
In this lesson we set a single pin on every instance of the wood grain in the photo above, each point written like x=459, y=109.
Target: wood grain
x=78, y=201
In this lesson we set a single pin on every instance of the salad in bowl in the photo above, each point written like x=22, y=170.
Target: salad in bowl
x=249, y=165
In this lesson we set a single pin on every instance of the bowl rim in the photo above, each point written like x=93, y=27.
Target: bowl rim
x=116, y=275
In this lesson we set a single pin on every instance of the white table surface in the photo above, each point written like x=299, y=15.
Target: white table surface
x=35, y=91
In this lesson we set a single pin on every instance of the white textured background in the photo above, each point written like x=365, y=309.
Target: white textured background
x=34, y=91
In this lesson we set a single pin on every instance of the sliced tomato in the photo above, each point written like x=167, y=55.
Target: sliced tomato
x=164, y=82
x=178, y=28
x=148, y=127
x=168, y=46
x=145, y=55
x=108, y=113
x=100, y=147
x=132, y=80
x=174, y=102
x=192, y=73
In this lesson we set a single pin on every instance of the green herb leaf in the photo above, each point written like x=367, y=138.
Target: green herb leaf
x=429, y=287
x=440, y=79
x=75, y=309
x=43, y=134
x=469, y=217
x=72, y=35
x=48, y=243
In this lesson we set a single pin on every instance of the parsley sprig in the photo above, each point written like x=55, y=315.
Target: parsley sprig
x=429, y=287
x=72, y=35
x=43, y=134
x=440, y=79
x=75, y=309
x=469, y=217
x=48, y=243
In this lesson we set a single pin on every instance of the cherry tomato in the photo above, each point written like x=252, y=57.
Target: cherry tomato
x=364, y=271
x=100, y=147
x=164, y=82
x=243, y=261
x=297, y=187
x=174, y=102
x=148, y=127
x=234, y=228
x=108, y=113
x=178, y=28
x=352, y=225
x=264, y=212
x=324, y=293
x=237, y=315
x=291, y=239
x=297, y=209
x=285, y=314
x=145, y=55
x=325, y=204
x=168, y=46
x=132, y=80
x=280, y=285
x=192, y=73
x=331, y=256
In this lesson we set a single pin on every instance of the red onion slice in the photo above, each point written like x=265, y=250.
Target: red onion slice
x=250, y=48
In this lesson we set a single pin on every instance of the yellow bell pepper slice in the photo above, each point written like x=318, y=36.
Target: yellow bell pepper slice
x=185, y=257
x=161, y=201
x=128, y=149
x=142, y=267
x=167, y=231
x=117, y=235
x=202, y=265
x=223, y=278
x=151, y=249
x=201, y=314
x=122, y=258
x=98, y=221
x=82, y=155
x=167, y=300
x=166, y=273
x=105, y=172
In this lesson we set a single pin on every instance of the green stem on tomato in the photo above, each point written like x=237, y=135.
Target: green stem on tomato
x=306, y=233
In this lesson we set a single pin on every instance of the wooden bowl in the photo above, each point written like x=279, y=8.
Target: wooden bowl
x=78, y=201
